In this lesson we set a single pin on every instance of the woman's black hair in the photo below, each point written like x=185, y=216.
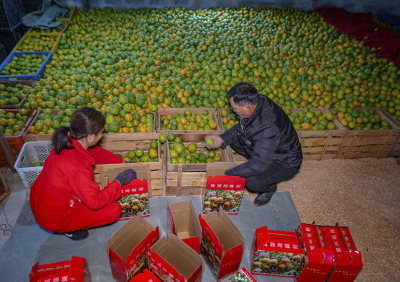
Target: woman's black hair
x=244, y=93
x=84, y=121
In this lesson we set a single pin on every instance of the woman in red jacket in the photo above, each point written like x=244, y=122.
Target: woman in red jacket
x=64, y=197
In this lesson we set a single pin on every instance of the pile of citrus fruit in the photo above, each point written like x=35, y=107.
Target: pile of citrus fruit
x=229, y=119
x=12, y=122
x=307, y=119
x=49, y=120
x=189, y=153
x=139, y=155
x=12, y=95
x=145, y=59
x=364, y=119
x=188, y=121
x=38, y=42
x=24, y=64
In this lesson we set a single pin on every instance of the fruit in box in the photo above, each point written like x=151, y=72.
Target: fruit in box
x=12, y=95
x=24, y=64
x=11, y=123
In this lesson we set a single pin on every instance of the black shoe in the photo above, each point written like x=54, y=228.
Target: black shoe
x=77, y=235
x=265, y=197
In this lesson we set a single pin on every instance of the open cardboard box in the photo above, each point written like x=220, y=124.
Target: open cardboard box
x=222, y=243
x=127, y=248
x=172, y=260
x=184, y=223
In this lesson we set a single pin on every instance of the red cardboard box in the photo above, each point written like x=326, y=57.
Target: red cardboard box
x=70, y=270
x=172, y=260
x=348, y=262
x=184, y=223
x=224, y=191
x=222, y=243
x=242, y=275
x=127, y=248
x=319, y=257
x=276, y=253
x=134, y=199
x=145, y=276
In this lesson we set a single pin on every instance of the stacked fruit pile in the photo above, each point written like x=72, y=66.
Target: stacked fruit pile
x=365, y=119
x=307, y=119
x=190, y=58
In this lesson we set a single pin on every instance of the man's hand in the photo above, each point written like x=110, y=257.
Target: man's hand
x=217, y=142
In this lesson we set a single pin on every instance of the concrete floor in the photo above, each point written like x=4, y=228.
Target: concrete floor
x=362, y=194
x=29, y=243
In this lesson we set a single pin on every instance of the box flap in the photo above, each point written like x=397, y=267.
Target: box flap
x=127, y=238
x=277, y=241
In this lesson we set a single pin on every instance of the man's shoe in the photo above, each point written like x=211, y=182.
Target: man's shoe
x=265, y=197
x=77, y=235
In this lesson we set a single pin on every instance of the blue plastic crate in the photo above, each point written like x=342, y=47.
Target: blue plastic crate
x=36, y=76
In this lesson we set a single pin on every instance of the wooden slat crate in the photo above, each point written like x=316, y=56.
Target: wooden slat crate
x=122, y=143
x=171, y=111
x=321, y=144
x=370, y=143
x=395, y=152
x=4, y=189
x=189, y=179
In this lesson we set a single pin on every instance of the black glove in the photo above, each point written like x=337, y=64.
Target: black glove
x=126, y=176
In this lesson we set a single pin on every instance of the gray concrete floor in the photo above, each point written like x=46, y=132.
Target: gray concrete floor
x=29, y=243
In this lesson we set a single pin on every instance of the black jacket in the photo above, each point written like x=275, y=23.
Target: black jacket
x=268, y=137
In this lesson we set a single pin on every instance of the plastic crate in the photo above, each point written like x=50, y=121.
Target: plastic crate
x=16, y=142
x=36, y=76
x=35, y=151
x=11, y=12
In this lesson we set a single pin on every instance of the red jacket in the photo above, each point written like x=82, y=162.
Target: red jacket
x=67, y=181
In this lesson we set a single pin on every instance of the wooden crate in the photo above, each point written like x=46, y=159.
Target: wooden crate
x=370, y=143
x=17, y=47
x=395, y=152
x=171, y=111
x=189, y=179
x=321, y=144
x=13, y=83
x=121, y=143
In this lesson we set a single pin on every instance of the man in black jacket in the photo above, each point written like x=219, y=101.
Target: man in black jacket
x=265, y=136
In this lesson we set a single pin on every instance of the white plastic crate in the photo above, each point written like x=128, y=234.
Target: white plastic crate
x=31, y=152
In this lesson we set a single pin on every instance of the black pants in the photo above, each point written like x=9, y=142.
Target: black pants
x=266, y=182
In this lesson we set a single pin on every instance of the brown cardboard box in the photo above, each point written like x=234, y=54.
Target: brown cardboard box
x=172, y=260
x=184, y=223
x=127, y=247
x=222, y=243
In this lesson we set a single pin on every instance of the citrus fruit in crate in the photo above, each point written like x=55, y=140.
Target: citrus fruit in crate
x=307, y=119
x=191, y=153
x=12, y=95
x=12, y=122
x=38, y=42
x=48, y=121
x=361, y=119
x=140, y=155
x=188, y=121
x=24, y=64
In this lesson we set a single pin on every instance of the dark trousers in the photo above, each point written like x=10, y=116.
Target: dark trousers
x=266, y=182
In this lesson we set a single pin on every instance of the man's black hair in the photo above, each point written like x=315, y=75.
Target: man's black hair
x=244, y=93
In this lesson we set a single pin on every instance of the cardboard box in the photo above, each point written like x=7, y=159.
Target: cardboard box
x=184, y=223
x=222, y=243
x=135, y=199
x=70, y=270
x=242, y=275
x=319, y=258
x=276, y=253
x=127, y=248
x=348, y=262
x=224, y=191
x=145, y=276
x=172, y=260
